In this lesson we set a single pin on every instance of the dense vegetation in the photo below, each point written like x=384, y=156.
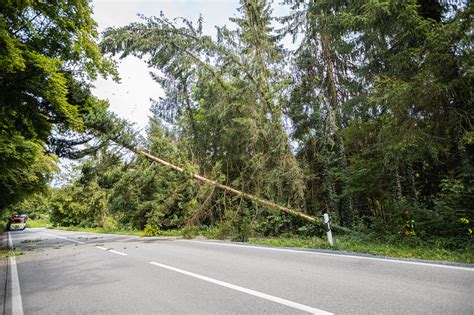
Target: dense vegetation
x=47, y=57
x=369, y=119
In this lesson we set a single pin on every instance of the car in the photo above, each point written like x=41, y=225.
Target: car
x=17, y=222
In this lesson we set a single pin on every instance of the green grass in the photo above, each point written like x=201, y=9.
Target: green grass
x=7, y=252
x=170, y=233
x=393, y=249
x=39, y=223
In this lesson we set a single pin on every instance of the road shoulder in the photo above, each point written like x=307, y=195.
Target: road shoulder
x=4, y=273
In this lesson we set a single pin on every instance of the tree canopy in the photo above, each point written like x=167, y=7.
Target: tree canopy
x=48, y=56
x=369, y=118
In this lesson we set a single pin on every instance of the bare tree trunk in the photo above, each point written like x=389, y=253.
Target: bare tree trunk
x=236, y=192
x=410, y=182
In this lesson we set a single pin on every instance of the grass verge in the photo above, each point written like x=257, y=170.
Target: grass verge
x=39, y=223
x=7, y=252
x=397, y=249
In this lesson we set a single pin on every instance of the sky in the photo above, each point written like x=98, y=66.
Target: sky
x=131, y=98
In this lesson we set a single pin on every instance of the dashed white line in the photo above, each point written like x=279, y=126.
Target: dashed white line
x=80, y=242
x=117, y=252
x=17, y=304
x=63, y=238
x=265, y=296
x=336, y=255
x=111, y=250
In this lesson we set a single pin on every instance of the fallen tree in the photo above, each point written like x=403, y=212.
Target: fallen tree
x=234, y=191
x=120, y=132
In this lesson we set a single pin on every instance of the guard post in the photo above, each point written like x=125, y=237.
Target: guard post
x=328, y=228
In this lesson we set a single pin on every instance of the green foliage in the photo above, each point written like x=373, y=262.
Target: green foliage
x=48, y=55
x=25, y=168
x=151, y=230
x=369, y=119
x=243, y=225
x=451, y=214
x=39, y=223
x=36, y=206
x=225, y=96
x=319, y=94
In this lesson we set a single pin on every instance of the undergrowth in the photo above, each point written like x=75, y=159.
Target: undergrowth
x=38, y=223
x=8, y=252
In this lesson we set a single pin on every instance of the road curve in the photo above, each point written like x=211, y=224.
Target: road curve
x=76, y=272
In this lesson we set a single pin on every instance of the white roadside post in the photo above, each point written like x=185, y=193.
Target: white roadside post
x=328, y=228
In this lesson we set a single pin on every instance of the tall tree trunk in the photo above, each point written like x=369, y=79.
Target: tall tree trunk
x=410, y=182
x=394, y=182
x=345, y=200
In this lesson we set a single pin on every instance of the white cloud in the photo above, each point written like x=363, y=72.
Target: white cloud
x=131, y=98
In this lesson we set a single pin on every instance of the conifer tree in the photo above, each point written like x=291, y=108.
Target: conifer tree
x=225, y=96
x=320, y=93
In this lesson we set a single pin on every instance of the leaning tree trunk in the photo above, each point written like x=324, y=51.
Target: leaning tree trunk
x=238, y=193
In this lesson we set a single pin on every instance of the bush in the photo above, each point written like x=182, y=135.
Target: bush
x=151, y=230
x=451, y=215
x=224, y=231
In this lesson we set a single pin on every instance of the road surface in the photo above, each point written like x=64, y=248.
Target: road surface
x=74, y=272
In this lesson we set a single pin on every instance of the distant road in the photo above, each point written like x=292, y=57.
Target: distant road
x=73, y=272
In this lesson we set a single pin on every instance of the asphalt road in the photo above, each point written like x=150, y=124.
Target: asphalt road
x=73, y=272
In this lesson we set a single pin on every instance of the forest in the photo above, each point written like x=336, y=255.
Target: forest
x=368, y=118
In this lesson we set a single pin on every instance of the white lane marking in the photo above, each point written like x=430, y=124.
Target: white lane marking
x=17, y=304
x=79, y=242
x=272, y=298
x=111, y=250
x=117, y=252
x=337, y=255
x=63, y=238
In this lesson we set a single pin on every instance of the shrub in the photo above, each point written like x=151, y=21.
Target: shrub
x=151, y=230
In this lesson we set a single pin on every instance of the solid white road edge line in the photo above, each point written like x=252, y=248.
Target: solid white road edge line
x=337, y=255
x=10, y=242
x=111, y=250
x=17, y=305
x=268, y=297
x=63, y=238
